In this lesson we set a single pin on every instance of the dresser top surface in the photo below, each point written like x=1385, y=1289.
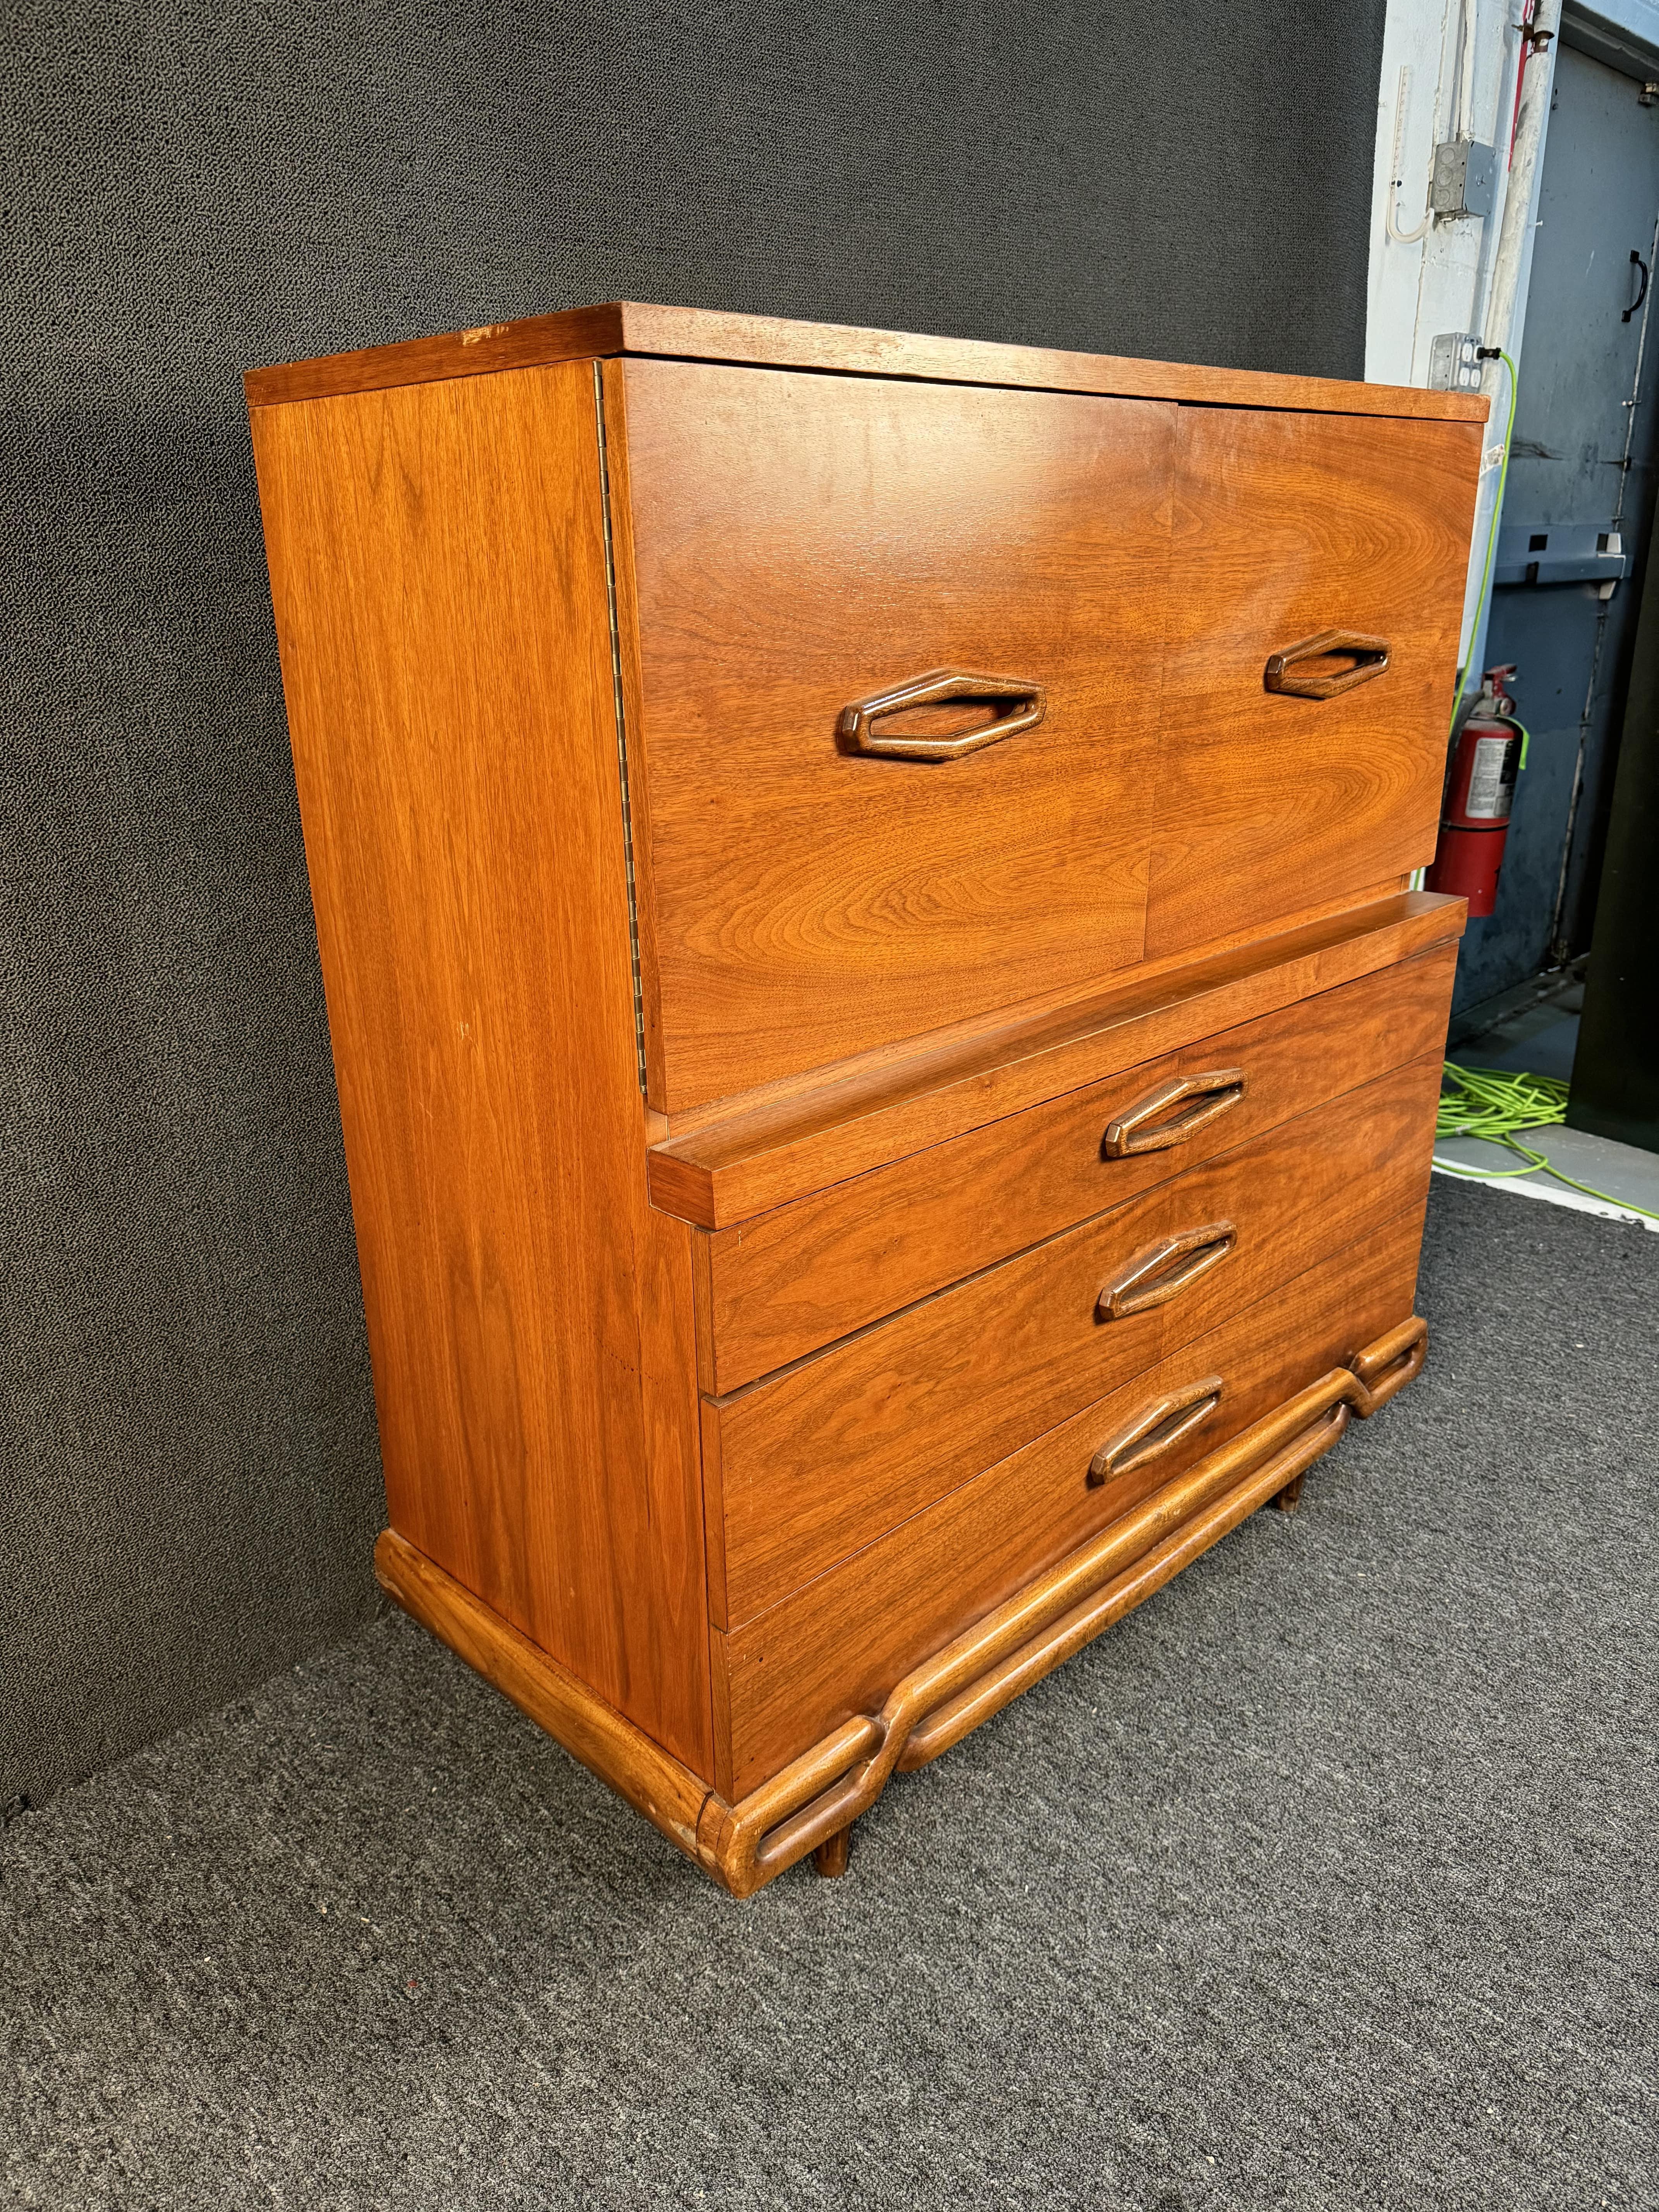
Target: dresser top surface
x=626, y=327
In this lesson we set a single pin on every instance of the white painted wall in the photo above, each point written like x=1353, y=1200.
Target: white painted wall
x=1442, y=281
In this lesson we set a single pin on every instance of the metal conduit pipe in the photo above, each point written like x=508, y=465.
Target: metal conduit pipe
x=1496, y=334
x=1465, y=72
x=1517, y=200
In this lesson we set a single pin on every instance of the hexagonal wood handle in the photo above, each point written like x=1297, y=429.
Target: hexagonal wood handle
x=1156, y=1428
x=1162, y=1271
x=1372, y=659
x=857, y=729
x=1128, y=1133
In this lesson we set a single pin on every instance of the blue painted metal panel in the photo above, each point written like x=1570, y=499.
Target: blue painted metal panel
x=1575, y=430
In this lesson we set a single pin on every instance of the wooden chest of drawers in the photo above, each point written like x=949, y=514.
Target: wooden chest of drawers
x=886, y=1061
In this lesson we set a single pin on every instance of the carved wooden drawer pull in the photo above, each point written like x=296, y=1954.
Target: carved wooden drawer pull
x=1372, y=658
x=1155, y=1428
x=1162, y=1271
x=1216, y=1092
x=857, y=726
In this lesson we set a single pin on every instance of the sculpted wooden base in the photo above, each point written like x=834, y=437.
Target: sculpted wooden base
x=810, y=1806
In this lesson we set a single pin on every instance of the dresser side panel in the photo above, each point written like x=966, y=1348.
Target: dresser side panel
x=439, y=575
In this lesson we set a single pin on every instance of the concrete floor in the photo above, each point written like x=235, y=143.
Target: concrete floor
x=1536, y=1039
x=1541, y=1039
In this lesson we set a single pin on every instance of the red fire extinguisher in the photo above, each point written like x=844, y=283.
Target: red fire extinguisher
x=1474, y=817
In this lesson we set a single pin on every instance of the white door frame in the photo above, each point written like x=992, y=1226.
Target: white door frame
x=1439, y=281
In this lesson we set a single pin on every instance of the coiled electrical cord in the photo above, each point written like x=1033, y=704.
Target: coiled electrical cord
x=1484, y=1102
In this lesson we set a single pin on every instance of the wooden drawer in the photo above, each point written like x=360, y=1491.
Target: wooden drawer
x=1288, y=526
x=796, y=1279
x=824, y=1458
x=793, y=543
x=836, y=1647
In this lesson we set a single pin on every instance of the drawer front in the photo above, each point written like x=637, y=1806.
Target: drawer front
x=1288, y=526
x=791, y=1281
x=802, y=543
x=824, y=1457
x=837, y=1647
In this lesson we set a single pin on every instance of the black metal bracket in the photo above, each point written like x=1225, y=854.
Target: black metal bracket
x=1643, y=294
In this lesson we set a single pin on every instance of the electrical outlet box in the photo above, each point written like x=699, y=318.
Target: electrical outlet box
x=1465, y=178
x=1454, y=363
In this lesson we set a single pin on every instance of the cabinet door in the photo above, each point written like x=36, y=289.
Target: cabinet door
x=1286, y=527
x=800, y=543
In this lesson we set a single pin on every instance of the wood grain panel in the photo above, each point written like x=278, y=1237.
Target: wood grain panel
x=835, y=1648
x=802, y=542
x=792, y=1281
x=438, y=573
x=823, y=1457
x=727, y=1166
x=1287, y=526
x=700, y=334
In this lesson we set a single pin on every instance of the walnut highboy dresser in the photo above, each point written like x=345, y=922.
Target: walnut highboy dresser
x=887, y=1061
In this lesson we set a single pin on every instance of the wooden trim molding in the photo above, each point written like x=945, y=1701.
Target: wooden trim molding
x=728, y=1163
x=818, y=1796
x=628, y=327
x=651, y=1779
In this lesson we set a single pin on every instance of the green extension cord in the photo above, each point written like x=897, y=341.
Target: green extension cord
x=1418, y=874
x=1492, y=541
x=1482, y=1101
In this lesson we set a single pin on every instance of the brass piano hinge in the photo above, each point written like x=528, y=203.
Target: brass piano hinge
x=622, y=731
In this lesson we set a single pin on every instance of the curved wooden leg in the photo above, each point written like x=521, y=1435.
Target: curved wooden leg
x=831, y=1858
x=1291, y=1496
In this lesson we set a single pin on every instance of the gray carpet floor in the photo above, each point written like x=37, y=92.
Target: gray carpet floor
x=1325, y=1881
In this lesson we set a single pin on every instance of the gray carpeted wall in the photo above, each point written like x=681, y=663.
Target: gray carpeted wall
x=188, y=1485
